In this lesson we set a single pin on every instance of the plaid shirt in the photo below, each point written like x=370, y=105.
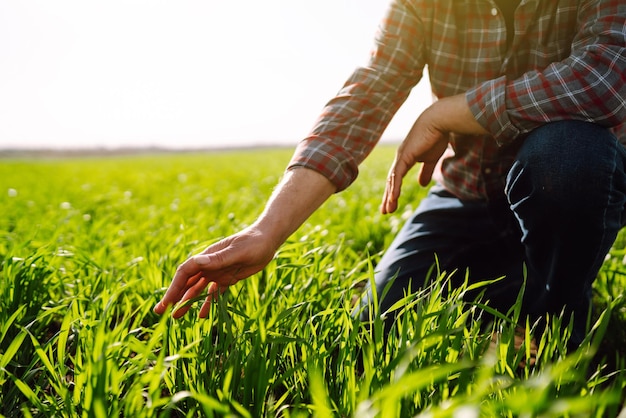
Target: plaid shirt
x=567, y=60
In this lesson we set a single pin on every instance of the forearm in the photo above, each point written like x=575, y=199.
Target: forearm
x=297, y=196
x=580, y=77
x=453, y=115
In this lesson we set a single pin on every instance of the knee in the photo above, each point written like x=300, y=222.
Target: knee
x=563, y=161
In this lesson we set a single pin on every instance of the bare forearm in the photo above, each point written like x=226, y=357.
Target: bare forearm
x=298, y=195
x=453, y=115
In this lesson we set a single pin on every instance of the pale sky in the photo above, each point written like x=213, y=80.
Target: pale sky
x=179, y=73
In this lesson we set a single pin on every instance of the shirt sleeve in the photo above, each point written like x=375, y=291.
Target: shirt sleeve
x=353, y=121
x=589, y=85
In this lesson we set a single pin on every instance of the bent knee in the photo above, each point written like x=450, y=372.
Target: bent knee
x=566, y=159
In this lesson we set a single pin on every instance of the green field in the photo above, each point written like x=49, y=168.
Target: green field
x=88, y=246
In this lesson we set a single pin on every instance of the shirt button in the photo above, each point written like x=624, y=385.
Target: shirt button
x=504, y=66
x=494, y=12
x=487, y=171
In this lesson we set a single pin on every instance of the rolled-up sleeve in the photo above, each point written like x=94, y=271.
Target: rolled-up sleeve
x=352, y=123
x=589, y=84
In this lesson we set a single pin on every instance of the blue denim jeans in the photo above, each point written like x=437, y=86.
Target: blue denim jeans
x=560, y=212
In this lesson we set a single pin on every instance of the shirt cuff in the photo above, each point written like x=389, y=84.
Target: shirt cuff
x=327, y=158
x=487, y=102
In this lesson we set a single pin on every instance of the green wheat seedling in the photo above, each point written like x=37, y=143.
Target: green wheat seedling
x=88, y=246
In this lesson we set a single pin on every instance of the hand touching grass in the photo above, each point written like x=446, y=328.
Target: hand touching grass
x=241, y=255
x=219, y=266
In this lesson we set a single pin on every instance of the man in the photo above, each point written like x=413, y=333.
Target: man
x=523, y=142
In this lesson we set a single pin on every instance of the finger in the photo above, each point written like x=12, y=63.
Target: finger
x=394, y=185
x=208, y=302
x=193, y=292
x=175, y=295
x=195, y=289
x=426, y=173
x=389, y=203
x=180, y=312
x=219, y=286
x=214, y=289
x=185, y=274
x=191, y=283
x=384, y=204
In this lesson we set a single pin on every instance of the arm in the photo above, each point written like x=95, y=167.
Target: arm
x=243, y=254
x=588, y=84
x=325, y=162
x=352, y=122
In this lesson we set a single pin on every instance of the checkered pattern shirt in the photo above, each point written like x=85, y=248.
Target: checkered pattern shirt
x=567, y=60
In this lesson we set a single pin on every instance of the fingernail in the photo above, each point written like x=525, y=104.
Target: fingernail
x=201, y=260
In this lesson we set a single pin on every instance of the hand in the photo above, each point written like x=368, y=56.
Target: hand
x=299, y=194
x=219, y=266
x=426, y=142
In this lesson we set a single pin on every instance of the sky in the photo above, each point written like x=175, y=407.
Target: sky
x=179, y=73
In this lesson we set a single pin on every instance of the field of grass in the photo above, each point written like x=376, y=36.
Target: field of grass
x=88, y=246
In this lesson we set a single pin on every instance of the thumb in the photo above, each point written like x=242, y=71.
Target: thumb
x=202, y=260
x=215, y=259
x=426, y=173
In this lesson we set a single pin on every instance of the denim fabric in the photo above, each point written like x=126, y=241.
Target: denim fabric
x=559, y=215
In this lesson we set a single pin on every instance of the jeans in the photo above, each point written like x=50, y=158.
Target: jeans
x=558, y=217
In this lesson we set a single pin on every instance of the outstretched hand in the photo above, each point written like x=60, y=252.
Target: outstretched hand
x=219, y=266
x=300, y=193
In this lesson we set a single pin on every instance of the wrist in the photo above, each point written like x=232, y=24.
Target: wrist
x=298, y=195
x=453, y=115
x=273, y=232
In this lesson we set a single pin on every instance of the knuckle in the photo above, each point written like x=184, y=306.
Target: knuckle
x=218, y=258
